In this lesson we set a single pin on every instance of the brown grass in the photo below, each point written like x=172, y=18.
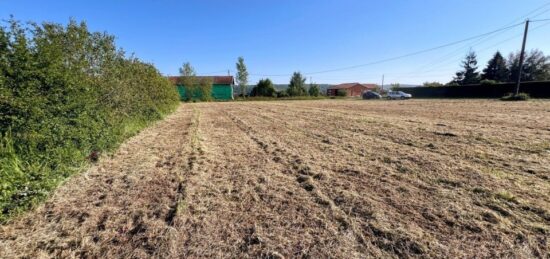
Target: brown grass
x=331, y=178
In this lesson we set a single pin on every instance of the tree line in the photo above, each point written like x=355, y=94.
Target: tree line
x=66, y=95
x=499, y=69
x=296, y=87
x=202, y=88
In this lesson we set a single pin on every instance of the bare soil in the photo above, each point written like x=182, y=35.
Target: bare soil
x=331, y=178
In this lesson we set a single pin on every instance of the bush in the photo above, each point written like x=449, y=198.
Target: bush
x=341, y=93
x=66, y=93
x=264, y=88
x=514, y=97
x=432, y=84
x=282, y=94
x=488, y=82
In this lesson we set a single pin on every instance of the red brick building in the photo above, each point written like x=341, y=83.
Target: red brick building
x=352, y=89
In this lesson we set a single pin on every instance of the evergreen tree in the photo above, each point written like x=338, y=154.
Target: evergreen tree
x=242, y=75
x=297, y=85
x=496, y=69
x=469, y=74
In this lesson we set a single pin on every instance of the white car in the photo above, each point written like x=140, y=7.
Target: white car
x=393, y=95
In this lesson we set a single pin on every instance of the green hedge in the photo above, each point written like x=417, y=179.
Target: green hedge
x=533, y=89
x=66, y=94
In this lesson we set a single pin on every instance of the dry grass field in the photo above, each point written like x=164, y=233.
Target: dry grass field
x=341, y=179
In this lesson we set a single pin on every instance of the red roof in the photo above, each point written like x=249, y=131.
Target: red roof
x=350, y=85
x=219, y=80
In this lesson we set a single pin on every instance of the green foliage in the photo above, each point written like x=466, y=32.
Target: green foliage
x=204, y=89
x=469, y=74
x=432, y=84
x=341, y=93
x=282, y=94
x=65, y=93
x=535, y=68
x=314, y=90
x=514, y=97
x=242, y=76
x=496, y=69
x=488, y=82
x=264, y=88
x=297, y=85
x=187, y=70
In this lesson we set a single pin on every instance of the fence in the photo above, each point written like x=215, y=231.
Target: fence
x=534, y=89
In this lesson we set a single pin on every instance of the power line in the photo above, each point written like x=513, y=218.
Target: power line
x=485, y=49
x=402, y=56
x=536, y=12
x=541, y=20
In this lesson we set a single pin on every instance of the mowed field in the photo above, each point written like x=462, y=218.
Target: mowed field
x=330, y=178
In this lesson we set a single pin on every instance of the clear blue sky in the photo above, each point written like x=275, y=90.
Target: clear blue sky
x=277, y=37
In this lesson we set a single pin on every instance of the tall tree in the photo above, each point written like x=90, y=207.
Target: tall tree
x=535, y=68
x=242, y=75
x=469, y=74
x=297, y=85
x=496, y=69
x=189, y=80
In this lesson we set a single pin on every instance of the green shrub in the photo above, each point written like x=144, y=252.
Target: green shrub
x=488, y=82
x=264, y=88
x=514, y=97
x=66, y=93
x=282, y=94
x=341, y=93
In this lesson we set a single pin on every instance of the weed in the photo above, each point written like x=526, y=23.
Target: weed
x=507, y=196
x=515, y=97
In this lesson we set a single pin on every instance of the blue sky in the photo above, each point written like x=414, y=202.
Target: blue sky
x=277, y=37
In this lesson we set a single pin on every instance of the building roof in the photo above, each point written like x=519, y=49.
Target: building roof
x=350, y=85
x=219, y=80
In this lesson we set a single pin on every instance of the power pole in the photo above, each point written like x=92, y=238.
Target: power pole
x=382, y=82
x=522, y=56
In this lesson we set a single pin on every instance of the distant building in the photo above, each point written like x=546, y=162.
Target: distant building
x=222, y=86
x=352, y=89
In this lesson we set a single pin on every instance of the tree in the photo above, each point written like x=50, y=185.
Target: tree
x=432, y=84
x=496, y=69
x=205, y=89
x=242, y=75
x=188, y=80
x=469, y=74
x=187, y=70
x=314, y=90
x=297, y=85
x=535, y=68
x=264, y=88
x=394, y=86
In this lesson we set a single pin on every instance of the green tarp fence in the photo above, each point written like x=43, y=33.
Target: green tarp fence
x=219, y=93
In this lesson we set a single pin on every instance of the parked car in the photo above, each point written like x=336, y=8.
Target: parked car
x=371, y=95
x=393, y=95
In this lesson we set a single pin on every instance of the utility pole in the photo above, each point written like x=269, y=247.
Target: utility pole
x=382, y=82
x=522, y=56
